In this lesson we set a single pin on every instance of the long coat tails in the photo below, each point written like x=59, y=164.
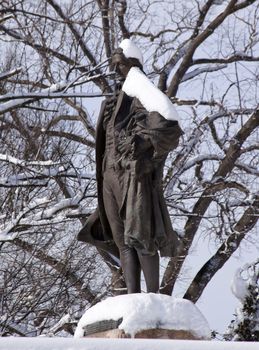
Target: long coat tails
x=145, y=139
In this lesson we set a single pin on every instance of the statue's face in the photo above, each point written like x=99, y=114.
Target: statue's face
x=121, y=63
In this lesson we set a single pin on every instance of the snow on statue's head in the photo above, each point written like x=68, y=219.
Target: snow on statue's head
x=127, y=55
x=130, y=50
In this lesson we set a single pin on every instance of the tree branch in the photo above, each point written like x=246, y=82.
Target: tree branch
x=6, y=75
x=197, y=41
x=194, y=73
x=41, y=49
x=104, y=8
x=68, y=136
x=49, y=95
x=205, y=200
x=59, y=266
x=101, y=82
x=122, y=8
x=231, y=59
x=225, y=251
x=15, y=101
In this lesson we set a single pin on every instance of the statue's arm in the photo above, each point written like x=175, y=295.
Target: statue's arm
x=148, y=141
x=156, y=132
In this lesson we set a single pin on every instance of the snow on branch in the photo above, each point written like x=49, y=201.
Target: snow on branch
x=15, y=101
x=205, y=157
x=7, y=230
x=49, y=95
x=225, y=167
x=10, y=73
x=179, y=164
x=64, y=322
x=198, y=38
x=181, y=102
x=228, y=113
x=200, y=159
x=5, y=18
x=238, y=56
x=249, y=169
x=21, y=162
x=199, y=71
x=46, y=215
x=41, y=178
x=177, y=56
x=224, y=252
x=39, y=173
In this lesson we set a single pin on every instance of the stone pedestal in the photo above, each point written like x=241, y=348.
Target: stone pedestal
x=154, y=333
x=151, y=316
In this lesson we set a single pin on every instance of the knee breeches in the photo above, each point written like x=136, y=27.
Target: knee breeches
x=131, y=260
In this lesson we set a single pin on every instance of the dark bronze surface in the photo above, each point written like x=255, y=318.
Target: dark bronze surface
x=132, y=220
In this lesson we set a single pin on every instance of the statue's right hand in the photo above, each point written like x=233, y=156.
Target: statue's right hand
x=124, y=146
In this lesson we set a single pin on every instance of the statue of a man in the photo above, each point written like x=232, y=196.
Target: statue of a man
x=133, y=139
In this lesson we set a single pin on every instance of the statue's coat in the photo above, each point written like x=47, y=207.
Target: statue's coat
x=147, y=223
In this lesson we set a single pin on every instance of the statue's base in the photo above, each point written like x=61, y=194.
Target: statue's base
x=153, y=316
x=154, y=333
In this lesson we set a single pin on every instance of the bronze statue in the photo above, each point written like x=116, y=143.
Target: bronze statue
x=132, y=144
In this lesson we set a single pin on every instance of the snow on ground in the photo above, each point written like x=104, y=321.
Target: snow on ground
x=40, y=343
x=138, y=85
x=146, y=311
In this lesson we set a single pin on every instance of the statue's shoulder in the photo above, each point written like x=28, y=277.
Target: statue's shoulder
x=137, y=107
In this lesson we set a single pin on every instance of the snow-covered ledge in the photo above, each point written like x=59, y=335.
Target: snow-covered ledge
x=41, y=343
x=144, y=316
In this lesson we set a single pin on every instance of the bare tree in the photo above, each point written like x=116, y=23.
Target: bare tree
x=44, y=281
x=55, y=72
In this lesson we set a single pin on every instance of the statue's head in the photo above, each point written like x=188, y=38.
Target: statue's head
x=126, y=56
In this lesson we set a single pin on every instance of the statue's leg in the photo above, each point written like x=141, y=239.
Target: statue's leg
x=150, y=267
x=128, y=256
x=131, y=269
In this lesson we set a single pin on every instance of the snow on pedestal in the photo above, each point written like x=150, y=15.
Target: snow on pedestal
x=136, y=313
